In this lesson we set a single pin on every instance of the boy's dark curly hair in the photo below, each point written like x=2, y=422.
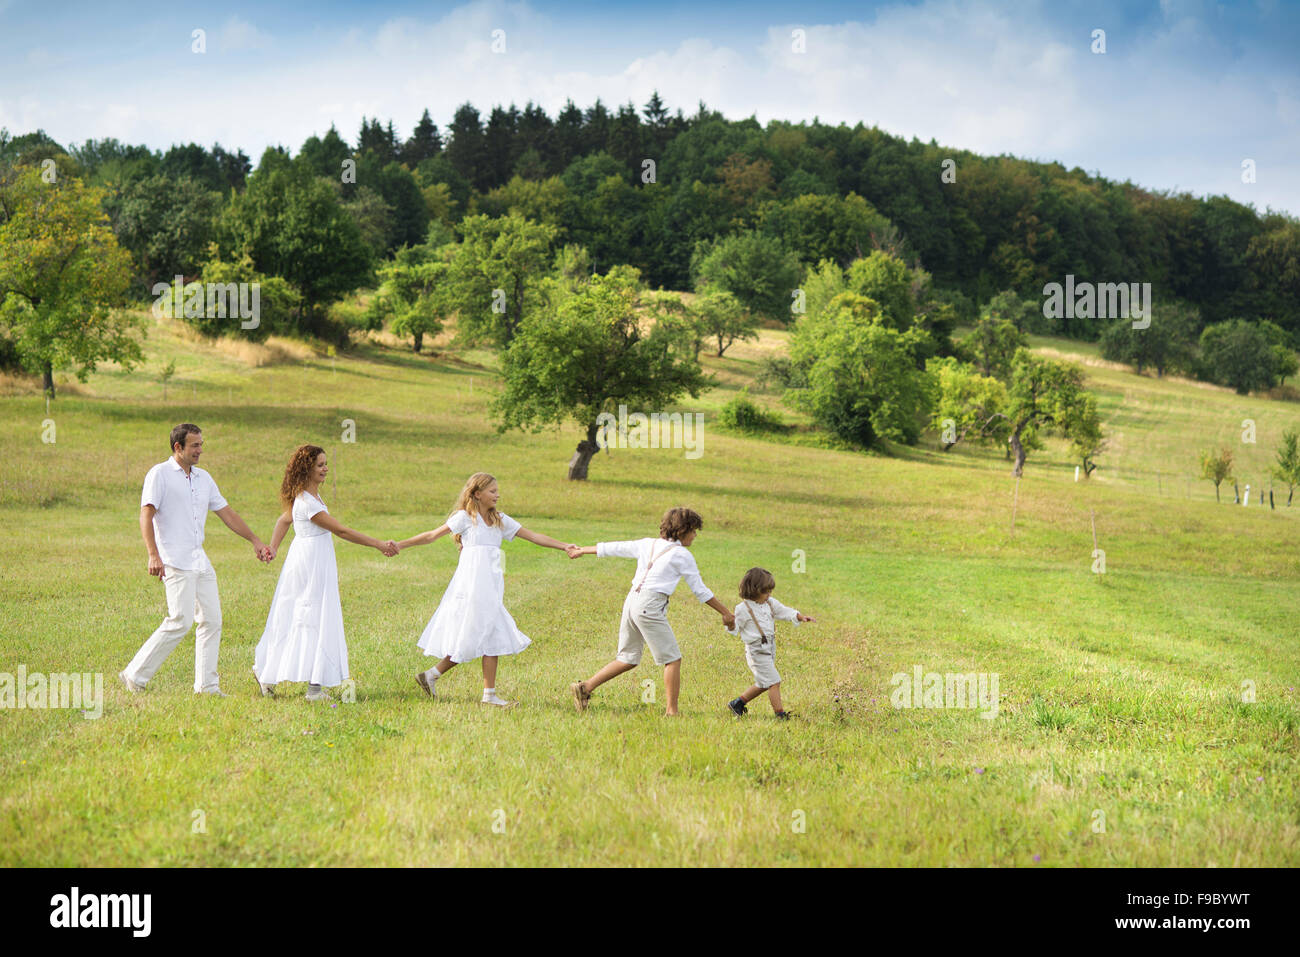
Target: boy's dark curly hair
x=756, y=581
x=678, y=522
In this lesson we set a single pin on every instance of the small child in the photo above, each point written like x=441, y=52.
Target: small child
x=756, y=624
x=660, y=564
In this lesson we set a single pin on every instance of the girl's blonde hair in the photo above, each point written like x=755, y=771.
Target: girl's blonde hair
x=297, y=472
x=473, y=485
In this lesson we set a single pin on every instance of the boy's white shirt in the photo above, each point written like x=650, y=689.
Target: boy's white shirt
x=751, y=632
x=673, y=561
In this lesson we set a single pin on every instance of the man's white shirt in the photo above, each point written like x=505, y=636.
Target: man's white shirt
x=182, y=503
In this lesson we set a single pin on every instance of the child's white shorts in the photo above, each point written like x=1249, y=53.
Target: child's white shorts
x=644, y=622
x=762, y=662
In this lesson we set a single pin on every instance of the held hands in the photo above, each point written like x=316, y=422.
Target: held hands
x=729, y=621
x=389, y=548
x=573, y=551
x=263, y=552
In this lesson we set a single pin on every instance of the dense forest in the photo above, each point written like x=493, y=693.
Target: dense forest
x=646, y=187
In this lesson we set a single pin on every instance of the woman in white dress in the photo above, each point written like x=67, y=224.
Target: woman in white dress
x=471, y=621
x=303, y=640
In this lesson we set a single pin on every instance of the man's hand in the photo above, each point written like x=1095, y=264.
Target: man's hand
x=573, y=551
x=729, y=621
x=156, y=567
x=262, y=551
x=389, y=548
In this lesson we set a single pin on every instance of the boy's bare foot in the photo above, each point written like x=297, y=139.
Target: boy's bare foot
x=581, y=696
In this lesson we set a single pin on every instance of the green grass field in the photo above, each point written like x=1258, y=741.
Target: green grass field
x=1121, y=736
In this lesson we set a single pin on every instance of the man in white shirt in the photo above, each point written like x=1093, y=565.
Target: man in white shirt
x=174, y=506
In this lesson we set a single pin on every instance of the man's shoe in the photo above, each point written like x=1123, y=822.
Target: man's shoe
x=131, y=686
x=737, y=707
x=215, y=692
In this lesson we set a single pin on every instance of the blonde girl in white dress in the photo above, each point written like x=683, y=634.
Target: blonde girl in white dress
x=303, y=640
x=471, y=621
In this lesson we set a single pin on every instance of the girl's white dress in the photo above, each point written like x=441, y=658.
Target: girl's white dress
x=303, y=640
x=471, y=620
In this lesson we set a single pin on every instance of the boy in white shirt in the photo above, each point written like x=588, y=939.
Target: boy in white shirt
x=660, y=564
x=755, y=619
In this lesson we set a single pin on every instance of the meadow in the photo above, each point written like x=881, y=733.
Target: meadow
x=1125, y=732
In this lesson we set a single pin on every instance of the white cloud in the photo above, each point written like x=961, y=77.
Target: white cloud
x=239, y=35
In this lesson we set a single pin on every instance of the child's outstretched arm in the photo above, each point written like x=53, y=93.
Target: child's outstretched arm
x=537, y=538
x=577, y=551
x=426, y=538
x=785, y=613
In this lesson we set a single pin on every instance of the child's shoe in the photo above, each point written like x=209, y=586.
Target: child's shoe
x=737, y=707
x=491, y=698
x=785, y=715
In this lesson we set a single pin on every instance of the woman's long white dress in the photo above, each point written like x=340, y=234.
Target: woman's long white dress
x=303, y=640
x=471, y=620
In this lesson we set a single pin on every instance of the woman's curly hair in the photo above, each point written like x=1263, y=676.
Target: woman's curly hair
x=297, y=472
x=678, y=522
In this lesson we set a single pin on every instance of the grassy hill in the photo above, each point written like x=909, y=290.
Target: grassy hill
x=1120, y=694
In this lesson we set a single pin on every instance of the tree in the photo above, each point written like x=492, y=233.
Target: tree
x=756, y=269
x=1025, y=314
x=589, y=357
x=425, y=142
x=992, y=345
x=1287, y=469
x=1217, y=467
x=721, y=316
x=884, y=278
x=61, y=275
x=292, y=224
x=1237, y=353
x=1167, y=344
x=1045, y=393
x=275, y=301
x=167, y=224
x=825, y=227
x=859, y=374
x=1084, y=428
x=493, y=279
x=967, y=404
x=413, y=294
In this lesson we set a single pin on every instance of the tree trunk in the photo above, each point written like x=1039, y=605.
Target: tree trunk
x=419, y=338
x=1216, y=492
x=47, y=379
x=1020, y=453
x=582, y=457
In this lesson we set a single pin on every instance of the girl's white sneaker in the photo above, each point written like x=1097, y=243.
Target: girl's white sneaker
x=499, y=702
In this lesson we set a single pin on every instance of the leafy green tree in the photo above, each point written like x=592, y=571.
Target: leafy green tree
x=1047, y=394
x=275, y=301
x=413, y=294
x=292, y=224
x=1238, y=353
x=859, y=375
x=493, y=281
x=167, y=224
x=886, y=279
x=756, y=269
x=816, y=227
x=1025, y=314
x=992, y=345
x=1083, y=426
x=721, y=317
x=589, y=357
x=62, y=273
x=967, y=405
x=1217, y=467
x=1168, y=344
x=1287, y=469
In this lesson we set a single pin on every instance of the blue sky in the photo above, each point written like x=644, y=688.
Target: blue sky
x=1185, y=91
